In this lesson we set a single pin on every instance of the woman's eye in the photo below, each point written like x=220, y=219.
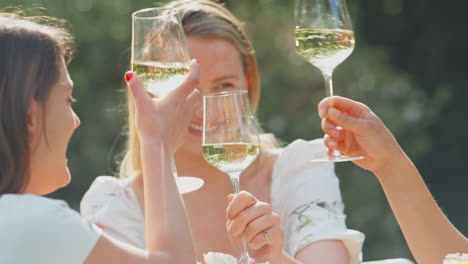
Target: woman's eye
x=225, y=86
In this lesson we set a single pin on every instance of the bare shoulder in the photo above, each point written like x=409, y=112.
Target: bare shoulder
x=269, y=156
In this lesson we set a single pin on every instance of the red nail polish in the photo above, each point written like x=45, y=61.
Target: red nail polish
x=128, y=76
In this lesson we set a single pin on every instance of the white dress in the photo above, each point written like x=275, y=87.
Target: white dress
x=305, y=195
x=40, y=230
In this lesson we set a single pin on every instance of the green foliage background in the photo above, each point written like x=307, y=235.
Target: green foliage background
x=409, y=66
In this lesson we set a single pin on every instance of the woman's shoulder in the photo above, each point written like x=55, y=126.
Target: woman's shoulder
x=108, y=194
x=110, y=182
x=35, y=216
x=111, y=204
x=23, y=208
x=105, y=187
x=27, y=220
x=293, y=164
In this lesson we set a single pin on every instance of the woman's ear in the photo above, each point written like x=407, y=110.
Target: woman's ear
x=32, y=122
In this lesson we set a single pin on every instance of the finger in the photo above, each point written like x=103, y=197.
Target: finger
x=136, y=87
x=240, y=202
x=263, y=238
x=331, y=129
x=343, y=104
x=323, y=107
x=259, y=225
x=190, y=83
x=230, y=197
x=348, y=144
x=347, y=122
x=239, y=223
x=331, y=144
x=194, y=99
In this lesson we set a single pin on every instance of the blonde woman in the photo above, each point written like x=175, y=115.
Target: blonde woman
x=291, y=210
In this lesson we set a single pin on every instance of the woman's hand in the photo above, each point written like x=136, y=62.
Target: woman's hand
x=260, y=225
x=166, y=119
x=363, y=133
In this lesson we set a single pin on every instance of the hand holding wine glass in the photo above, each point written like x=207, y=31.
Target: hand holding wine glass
x=325, y=38
x=230, y=140
x=165, y=119
x=161, y=60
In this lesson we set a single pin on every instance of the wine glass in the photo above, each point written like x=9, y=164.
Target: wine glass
x=324, y=37
x=230, y=140
x=159, y=50
x=161, y=59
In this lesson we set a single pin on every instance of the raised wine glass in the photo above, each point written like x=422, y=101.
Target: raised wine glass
x=159, y=50
x=324, y=37
x=230, y=140
x=161, y=59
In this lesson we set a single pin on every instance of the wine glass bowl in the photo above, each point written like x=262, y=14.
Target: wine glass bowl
x=324, y=48
x=159, y=49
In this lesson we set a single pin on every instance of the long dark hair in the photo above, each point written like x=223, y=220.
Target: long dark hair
x=31, y=49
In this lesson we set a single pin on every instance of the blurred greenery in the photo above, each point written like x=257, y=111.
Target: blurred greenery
x=409, y=66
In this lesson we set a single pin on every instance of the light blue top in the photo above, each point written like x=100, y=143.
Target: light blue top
x=40, y=230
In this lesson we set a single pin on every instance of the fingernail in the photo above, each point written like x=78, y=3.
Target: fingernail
x=128, y=76
x=321, y=113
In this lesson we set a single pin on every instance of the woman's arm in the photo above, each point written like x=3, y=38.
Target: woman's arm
x=428, y=232
x=324, y=251
x=252, y=217
x=161, y=125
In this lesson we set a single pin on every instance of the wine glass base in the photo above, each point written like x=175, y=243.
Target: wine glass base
x=188, y=184
x=341, y=158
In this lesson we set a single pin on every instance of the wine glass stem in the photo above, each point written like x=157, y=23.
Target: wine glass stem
x=327, y=77
x=235, y=185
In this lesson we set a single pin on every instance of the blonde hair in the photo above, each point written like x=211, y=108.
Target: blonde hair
x=205, y=19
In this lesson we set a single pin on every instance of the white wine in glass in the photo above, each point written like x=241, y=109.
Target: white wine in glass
x=230, y=157
x=230, y=139
x=159, y=50
x=325, y=38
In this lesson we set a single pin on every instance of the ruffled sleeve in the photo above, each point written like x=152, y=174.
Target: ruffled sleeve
x=112, y=205
x=307, y=197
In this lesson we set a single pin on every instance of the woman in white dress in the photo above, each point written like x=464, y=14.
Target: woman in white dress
x=297, y=214
x=429, y=233
x=36, y=124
